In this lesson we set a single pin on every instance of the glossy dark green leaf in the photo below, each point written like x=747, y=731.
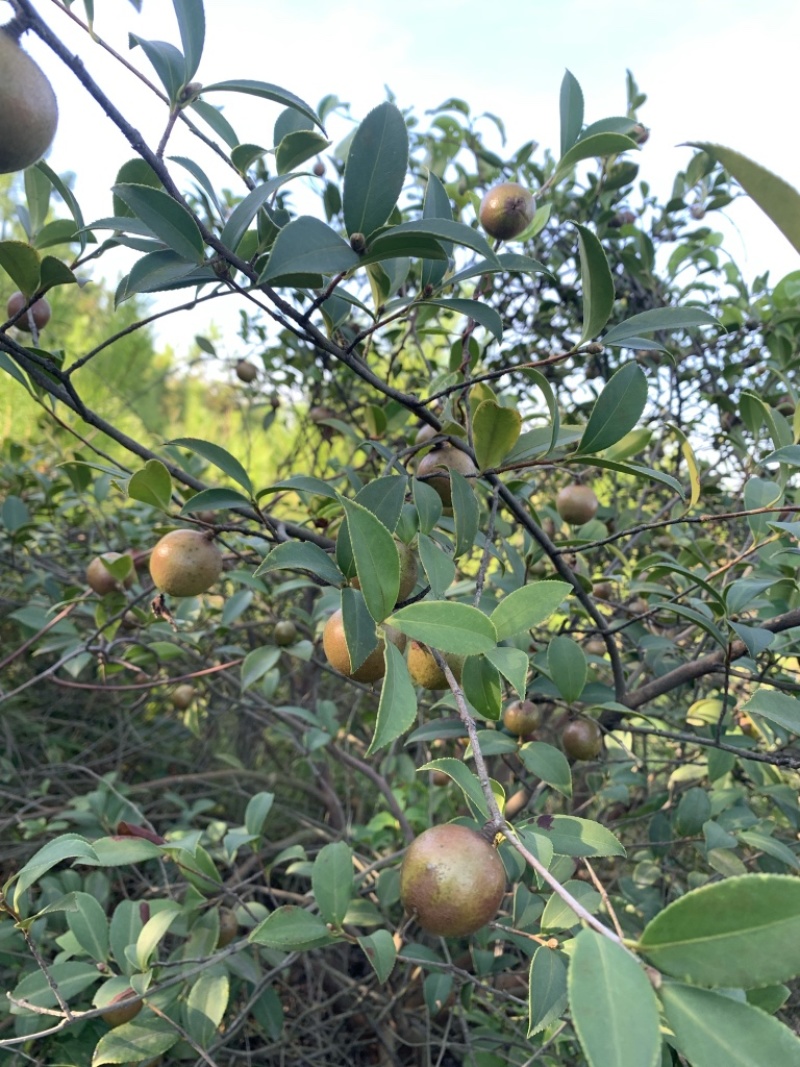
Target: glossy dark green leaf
x=332, y=881
x=393, y=245
x=291, y=929
x=513, y=665
x=219, y=457
x=617, y=410
x=548, y=763
x=266, y=91
x=192, y=26
x=448, y=627
x=381, y=951
x=571, y=111
x=595, y=147
x=597, y=284
x=63, y=847
x=527, y=607
x=384, y=497
x=214, y=500
x=428, y=504
x=613, y=1006
x=647, y=322
x=165, y=217
x=436, y=205
x=480, y=681
x=441, y=229
x=547, y=989
x=135, y=1041
x=776, y=198
x=152, y=485
x=168, y=63
x=440, y=570
x=245, y=211
x=397, y=709
x=375, y=170
x=544, y=386
x=713, y=1029
x=466, y=512
x=68, y=198
x=301, y=556
x=307, y=246
x=72, y=977
x=359, y=627
x=467, y=782
x=740, y=933
x=559, y=915
x=481, y=313
x=22, y=264
x=376, y=559
x=571, y=836
x=567, y=665
x=496, y=430
x=158, y=271
x=297, y=147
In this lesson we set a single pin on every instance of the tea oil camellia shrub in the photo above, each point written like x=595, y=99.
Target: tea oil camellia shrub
x=455, y=765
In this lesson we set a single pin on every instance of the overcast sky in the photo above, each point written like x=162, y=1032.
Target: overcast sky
x=716, y=70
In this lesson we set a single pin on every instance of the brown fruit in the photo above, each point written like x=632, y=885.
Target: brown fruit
x=101, y=580
x=319, y=169
x=603, y=590
x=39, y=311
x=285, y=633
x=246, y=371
x=452, y=880
x=228, y=927
x=28, y=107
x=408, y=571
x=522, y=717
x=595, y=646
x=183, y=696
x=424, y=669
x=435, y=467
x=582, y=739
x=440, y=778
x=336, y=652
x=120, y=1012
x=506, y=211
x=576, y=504
x=424, y=434
x=185, y=563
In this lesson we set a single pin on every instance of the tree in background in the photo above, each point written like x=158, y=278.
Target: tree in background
x=414, y=680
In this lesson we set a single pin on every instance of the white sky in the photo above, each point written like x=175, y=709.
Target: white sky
x=716, y=70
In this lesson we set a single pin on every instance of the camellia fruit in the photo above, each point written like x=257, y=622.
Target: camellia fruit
x=118, y=1012
x=28, y=107
x=582, y=739
x=101, y=580
x=452, y=880
x=424, y=669
x=409, y=571
x=576, y=504
x=39, y=310
x=337, y=653
x=228, y=927
x=185, y=563
x=285, y=633
x=435, y=467
x=506, y=211
x=246, y=371
x=522, y=717
x=183, y=696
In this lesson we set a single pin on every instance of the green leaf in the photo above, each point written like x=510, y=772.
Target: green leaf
x=712, y=1029
x=22, y=264
x=214, y=500
x=777, y=707
x=480, y=681
x=456, y=628
x=158, y=271
x=376, y=558
x=301, y=556
x=466, y=512
x=384, y=497
x=776, y=198
x=216, y=455
x=594, y=147
x=614, y=1009
x=135, y=1041
x=71, y=977
x=332, y=881
x=467, y=782
x=505, y=261
x=571, y=836
x=152, y=932
x=496, y=430
x=527, y=607
x=168, y=63
x=558, y=915
x=636, y=471
x=658, y=319
x=296, y=147
x=397, y=709
x=245, y=211
x=547, y=989
x=741, y=932
x=552, y=404
x=359, y=627
x=291, y=929
x=375, y=170
x=617, y=410
x=89, y=925
x=481, y=313
x=428, y=504
x=256, y=664
x=439, y=568
x=567, y=665
x=441, y=229
x=596, y=282
x=64, y=847
x=512, y=664
x=266, y=91
x=436, y=205
x=205, y=1005
x=152, y=485
x=548, y=763
x=306, y=246
x=571, y=111
x=258, y=808
x=168, y=220
x=776, y=849
x=381, y=951
x=192, y=26
x=119, y=851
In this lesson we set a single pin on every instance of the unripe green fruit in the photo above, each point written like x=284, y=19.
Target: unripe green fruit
x=506, y=211
x=452, y=880
x=576, y=504
x=522, y=717
x=28, y=108
x=185, y=563
x=285, y=633
x=39, y=310
x=435, y=467
x=246, y=371
x=582, y=739
x=183, y=696
x=101, y=580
